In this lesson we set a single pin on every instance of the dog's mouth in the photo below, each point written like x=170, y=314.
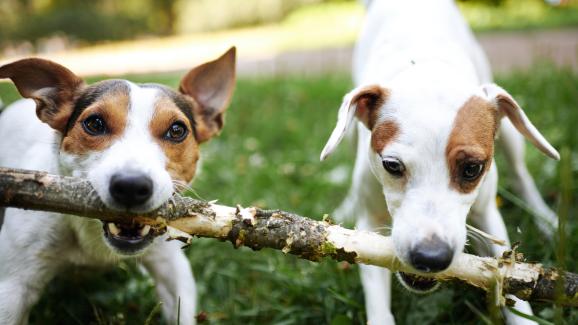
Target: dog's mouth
x=417, y=284
x=128, y=239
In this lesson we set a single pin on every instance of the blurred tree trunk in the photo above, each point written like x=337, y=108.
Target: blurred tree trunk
x=27, y=6
x=165, y=11
x=73, y=3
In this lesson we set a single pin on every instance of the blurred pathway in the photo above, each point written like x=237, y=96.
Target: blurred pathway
x=507, y=51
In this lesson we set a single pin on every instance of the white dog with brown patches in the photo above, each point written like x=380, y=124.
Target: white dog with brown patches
x=135, y=143
x=428, y=116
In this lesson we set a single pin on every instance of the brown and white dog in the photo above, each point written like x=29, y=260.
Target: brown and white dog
x=136, y=143
x=427, y=117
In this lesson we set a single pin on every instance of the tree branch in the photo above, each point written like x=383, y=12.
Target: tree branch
x=288, y=232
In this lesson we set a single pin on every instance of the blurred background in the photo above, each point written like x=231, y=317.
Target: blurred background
x=96, y=37
x=294, y=68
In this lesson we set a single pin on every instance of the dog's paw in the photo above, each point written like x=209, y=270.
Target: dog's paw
x=417, y=284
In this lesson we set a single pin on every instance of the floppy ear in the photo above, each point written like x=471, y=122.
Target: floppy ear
x=211, y=85
x=363, y=102
x=52, y=86
x=507, y=106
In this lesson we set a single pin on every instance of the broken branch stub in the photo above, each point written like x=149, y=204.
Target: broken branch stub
x=256, y=228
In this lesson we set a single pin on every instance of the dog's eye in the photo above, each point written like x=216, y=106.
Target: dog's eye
x=94, y=125
x=393, y=166
x=177, y=132
x=471, y=171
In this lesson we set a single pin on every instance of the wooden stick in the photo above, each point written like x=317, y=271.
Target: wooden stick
x=288, y=232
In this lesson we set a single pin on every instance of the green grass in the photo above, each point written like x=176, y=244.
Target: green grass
x=268, y=155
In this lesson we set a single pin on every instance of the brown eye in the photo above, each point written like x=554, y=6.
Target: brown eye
x=471, y=171
x=94, y=125
x=177, y=132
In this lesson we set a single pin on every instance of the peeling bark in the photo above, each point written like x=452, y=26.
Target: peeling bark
x=184, y=217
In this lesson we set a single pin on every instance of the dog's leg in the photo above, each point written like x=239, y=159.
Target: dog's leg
x=486, y=216
x=26, y=265
x=513, y=146
x=20, y=292
x=376, y=283
x=170, y=268
x=365, y=200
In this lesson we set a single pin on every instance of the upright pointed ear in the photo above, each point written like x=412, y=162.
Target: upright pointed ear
x=52, y=86
x=507, y=106
x=363, y=102
x=211, y=85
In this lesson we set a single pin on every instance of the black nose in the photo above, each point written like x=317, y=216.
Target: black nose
x=432, y=255
x=130, y=188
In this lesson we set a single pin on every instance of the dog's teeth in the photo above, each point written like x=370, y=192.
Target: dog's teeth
x=145, y=230
x=113, y=229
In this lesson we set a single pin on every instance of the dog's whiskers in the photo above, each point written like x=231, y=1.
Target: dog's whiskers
x=487, y=237
x=182, y=187
x=482, y=241
x=386, y=230
x=92, y=197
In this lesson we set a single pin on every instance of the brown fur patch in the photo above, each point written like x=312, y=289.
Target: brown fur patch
x=471, y=140
x=182, y=157
x=56, y=118
x=113, y=108
x=368, y=101
x=383, y=134
x=52, y=86
x=211, y=85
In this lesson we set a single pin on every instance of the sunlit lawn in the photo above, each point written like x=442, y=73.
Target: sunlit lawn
x=268, y=156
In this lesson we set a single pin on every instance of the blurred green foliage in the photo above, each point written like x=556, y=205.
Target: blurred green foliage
x=485, y=2
x=84, y=20
x=98, y=20
x=483, y=15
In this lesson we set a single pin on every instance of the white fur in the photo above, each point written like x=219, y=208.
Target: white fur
x=424, y=54
x=35, y=245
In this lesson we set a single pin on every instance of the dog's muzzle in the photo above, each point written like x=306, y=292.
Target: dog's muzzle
x=431, y=255
x=131, y=189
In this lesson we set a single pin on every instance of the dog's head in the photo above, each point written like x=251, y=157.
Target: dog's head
x=430, y=149
x=136, y=143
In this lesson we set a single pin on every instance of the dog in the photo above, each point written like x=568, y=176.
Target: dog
x=137, y=144
x=427, y=115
